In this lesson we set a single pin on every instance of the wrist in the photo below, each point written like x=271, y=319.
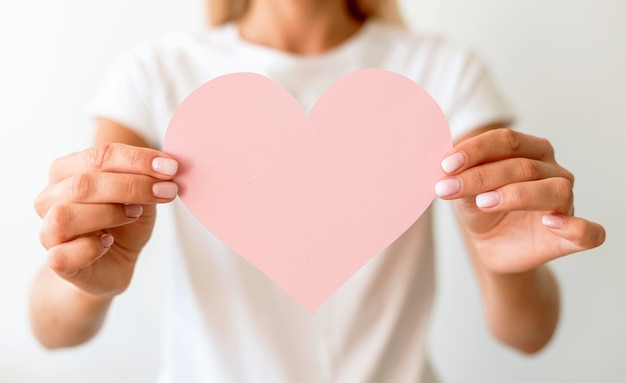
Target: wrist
x=88, y=298
x=522, y=308
x=62, y=315
x=520, y=285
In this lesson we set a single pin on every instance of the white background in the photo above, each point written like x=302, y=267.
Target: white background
x=560, y=63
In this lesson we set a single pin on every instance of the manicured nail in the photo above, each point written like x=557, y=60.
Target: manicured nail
x=107, y=240
x=133, y=210
x=165, y=166
x=553, y=221
x=448, y=187
x=453, y=162
x=167, y=190
x=488, y=199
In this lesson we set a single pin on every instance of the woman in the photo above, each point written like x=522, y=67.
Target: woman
x=225, y=321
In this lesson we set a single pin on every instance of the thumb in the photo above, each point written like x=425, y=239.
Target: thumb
x=580, y=234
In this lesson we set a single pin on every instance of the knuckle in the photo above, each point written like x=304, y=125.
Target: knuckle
x=58, y=221
x=563, y=190
x=569, y=176
x=510, y=138
x=52, y=170
x=40, y=204
x=529, y=170
x=135, y=188
x=43, y=238
x=547, y=147
x=59, y=262
x=477, y=180
x=135, y=158
x=81, y=187
x=99, y=156
x=515, y=195
x=103, y=157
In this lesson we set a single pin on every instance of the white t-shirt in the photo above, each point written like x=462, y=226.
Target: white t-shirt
x=227, y=322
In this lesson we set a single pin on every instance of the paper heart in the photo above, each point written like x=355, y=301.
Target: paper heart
x=308, y=201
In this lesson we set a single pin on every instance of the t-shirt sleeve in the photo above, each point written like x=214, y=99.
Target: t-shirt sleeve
x=124, y=96
x=476, y=101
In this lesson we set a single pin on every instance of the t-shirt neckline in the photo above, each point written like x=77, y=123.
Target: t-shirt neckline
x=359, y=38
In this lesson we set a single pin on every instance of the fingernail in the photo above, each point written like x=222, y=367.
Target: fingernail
x=167, y=190
x=553, y=221
x=165, y=166
x=107, y=240
x=448, y=187
x=453, y=162
x=133, y=210
x=489, y=199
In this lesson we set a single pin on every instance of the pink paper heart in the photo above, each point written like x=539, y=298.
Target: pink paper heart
x=308, y=201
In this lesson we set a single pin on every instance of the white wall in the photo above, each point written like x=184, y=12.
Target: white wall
x=560, y=64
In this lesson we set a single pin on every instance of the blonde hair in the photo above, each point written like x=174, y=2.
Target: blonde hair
x=223, y=11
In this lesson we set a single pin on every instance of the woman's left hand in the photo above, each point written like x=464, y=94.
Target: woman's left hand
x=514, y=202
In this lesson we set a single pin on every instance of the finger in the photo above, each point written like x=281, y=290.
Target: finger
x=551, y=194
x=496, y=145
x=577, y=234
x=66, y=222
x=490, y=176
x=107, y=188
x=114, y=158
x=68, y=258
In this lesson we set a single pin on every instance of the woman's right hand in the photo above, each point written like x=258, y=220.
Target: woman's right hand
x=98, y=212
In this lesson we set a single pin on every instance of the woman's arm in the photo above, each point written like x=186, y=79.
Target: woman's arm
x=93, y=232
x=522, y=309
x=515, y=205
